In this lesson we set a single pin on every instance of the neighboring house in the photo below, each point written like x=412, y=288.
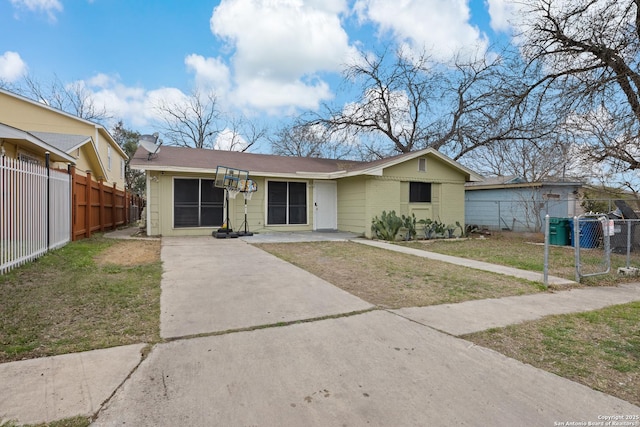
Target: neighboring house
x=89, y=144
x=297, y=193
x=28, y=147
x=511, y=203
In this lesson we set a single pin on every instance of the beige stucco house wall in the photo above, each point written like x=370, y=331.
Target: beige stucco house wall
x=89, y=144
x=362, y=189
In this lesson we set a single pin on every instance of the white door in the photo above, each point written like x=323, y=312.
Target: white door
x=325, y=205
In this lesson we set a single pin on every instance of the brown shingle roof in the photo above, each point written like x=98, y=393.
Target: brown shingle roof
x=193, y=158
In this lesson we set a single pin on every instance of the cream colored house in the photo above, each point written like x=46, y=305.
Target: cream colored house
x=88, y=145
x=296, y=193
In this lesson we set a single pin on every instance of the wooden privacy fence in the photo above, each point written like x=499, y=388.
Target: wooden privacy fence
x=100, y=207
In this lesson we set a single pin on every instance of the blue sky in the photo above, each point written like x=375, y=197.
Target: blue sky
x=265, y=58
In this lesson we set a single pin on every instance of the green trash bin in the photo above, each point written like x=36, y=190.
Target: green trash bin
x=559, y=231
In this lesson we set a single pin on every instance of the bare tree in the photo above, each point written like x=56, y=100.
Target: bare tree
x=191, y=122
x=73, y=98
x=408, y=103
x=242, y=134
x=533, y=161
x=588, y=53
x=301, y=139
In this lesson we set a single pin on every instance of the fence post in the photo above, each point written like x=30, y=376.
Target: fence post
x=576, y=246
x=546, y=251
x=114, y=208
x=47, y=163
x=72, y=212
x=89, y=203
x=628, y=243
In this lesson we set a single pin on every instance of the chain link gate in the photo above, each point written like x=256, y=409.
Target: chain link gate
x=590, y=236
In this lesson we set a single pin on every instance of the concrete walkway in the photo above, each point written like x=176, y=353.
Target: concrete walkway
x=479, y=315
x=340, y=366
x=52, y=388
x=478, y=265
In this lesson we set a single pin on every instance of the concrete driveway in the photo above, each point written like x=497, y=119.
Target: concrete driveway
x=213, y=285
x=372, y=368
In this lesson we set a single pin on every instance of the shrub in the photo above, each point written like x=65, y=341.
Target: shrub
x=387, y=226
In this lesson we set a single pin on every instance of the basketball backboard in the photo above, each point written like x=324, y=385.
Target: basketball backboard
x=230, y=178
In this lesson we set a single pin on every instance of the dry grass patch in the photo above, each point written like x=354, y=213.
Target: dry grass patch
x=600, y=349
x=394, y=280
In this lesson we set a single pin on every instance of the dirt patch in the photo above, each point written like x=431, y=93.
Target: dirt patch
x=129, y=253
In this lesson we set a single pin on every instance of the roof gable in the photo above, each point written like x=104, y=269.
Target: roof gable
x=33, y=142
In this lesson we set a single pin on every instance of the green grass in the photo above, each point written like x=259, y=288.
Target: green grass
x=66, y=302
x=600, y=349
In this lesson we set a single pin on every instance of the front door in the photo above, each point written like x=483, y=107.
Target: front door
x=325, y=205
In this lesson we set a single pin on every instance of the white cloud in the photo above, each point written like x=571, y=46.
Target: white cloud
x=49, y=7
x=12, y=67
x=502, y=13
x=268, y=95
x=210, y=73
x=230, y=141
x=134, y=104
x=441, y=27
x=280, y=46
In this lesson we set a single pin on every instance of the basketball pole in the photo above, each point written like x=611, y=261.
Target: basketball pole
x=246, y=232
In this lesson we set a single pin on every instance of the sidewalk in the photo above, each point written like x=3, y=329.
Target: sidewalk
x=53, y=388
x=478, y=315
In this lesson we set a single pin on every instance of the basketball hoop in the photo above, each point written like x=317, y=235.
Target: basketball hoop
x=232, y=192
x=228, y=178
x=247, y=187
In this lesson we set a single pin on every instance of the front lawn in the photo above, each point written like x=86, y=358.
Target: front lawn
x=90, y=294
x=600, y=349
x=394, y=280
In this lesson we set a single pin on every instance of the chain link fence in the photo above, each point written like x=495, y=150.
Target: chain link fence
x=601, y=244
x=527, y=214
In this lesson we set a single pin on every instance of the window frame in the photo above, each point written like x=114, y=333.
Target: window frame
x=419, y=193
x=200, y=204
x=422, y=164
x=287, y=204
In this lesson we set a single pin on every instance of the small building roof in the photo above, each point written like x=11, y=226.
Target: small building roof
x=64, y=142
x=512, y=181
x=34, y=142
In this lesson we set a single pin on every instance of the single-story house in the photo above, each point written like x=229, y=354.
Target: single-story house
x=297, y=193
x=512, y=203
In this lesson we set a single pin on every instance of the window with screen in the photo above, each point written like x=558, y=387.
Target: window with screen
x=419, y=192
x=197, y=203
x=286, y=203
